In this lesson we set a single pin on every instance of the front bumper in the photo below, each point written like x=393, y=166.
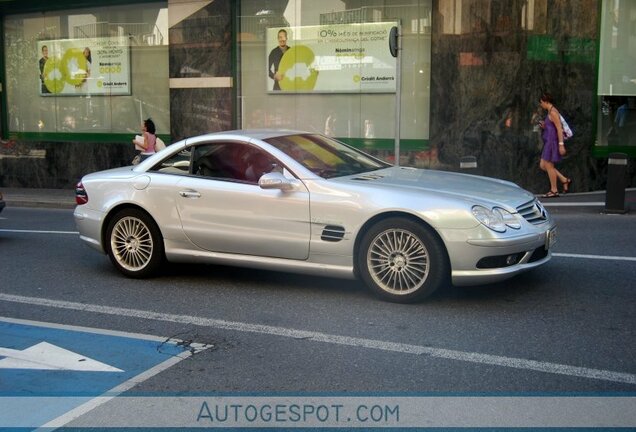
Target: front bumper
x=484, y=258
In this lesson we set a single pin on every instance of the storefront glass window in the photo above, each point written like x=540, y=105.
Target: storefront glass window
x=617, y=75
x=334, y=73
x=97, y=71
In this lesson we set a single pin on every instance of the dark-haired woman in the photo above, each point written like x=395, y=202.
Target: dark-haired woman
x=150, y=139
x=553, y=146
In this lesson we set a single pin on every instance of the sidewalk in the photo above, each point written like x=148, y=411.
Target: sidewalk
x=65, y=199
x=49, y=198
x=594, y=200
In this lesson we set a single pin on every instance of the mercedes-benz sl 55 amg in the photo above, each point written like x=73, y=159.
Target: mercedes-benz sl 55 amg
x=303, y=202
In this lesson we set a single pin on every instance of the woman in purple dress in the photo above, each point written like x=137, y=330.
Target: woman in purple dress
x=553, y=146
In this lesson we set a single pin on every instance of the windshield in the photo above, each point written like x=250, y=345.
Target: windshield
x=325, y=156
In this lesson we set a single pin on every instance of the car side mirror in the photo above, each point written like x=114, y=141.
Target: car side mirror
x=275, y=180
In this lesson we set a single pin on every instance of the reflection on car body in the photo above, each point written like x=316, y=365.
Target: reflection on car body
x=302, y=202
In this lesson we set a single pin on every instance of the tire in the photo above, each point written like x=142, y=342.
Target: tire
x=134, y=244
x=402, y=261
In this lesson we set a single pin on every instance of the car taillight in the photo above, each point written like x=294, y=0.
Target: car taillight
x=81, y=197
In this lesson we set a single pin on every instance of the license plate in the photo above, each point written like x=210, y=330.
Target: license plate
x=550, y=238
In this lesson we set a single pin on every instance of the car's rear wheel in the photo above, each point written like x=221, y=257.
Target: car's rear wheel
x=134, y=243
x=402, y=261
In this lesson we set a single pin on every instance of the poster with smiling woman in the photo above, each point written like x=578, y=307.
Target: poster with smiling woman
x=96, y=66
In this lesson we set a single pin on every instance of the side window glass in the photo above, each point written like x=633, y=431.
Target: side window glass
x=232, y=161
x=204, y=162
x=177, y=164
x=257, y=163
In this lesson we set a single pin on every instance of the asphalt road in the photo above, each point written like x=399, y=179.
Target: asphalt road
x=568, y=327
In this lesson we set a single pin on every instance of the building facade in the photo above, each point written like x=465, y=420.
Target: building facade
x=78, y=78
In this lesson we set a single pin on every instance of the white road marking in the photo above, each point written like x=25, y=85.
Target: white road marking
x=472, y=357
x=572, y=204
x=596, y=257
x=121, y=388
x=99, y=331
x=112, y=393
x=46, y=356
x=38, y=231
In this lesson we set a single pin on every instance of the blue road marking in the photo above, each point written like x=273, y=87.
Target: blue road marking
x=132, y=355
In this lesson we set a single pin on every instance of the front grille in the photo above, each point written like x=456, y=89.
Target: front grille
x=533, y=212
x=332, y=233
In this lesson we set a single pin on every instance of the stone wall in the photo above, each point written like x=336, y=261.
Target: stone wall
x=201, y=47
x=57, y=165
x=486, y=84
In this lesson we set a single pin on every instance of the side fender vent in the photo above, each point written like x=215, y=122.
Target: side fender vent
x=332, y=233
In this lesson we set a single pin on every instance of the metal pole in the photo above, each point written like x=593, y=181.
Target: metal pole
x=616, y=179
x=468, y=164
x=398, y=98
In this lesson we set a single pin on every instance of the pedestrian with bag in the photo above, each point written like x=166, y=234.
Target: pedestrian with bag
x=146, y=141
x=553, y=136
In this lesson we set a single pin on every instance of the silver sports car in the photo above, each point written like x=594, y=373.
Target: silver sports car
x=302, y=202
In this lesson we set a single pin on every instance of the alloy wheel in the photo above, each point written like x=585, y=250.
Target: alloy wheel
x=131, y=243
x=398, y=261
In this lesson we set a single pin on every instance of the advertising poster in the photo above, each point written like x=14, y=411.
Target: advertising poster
x=334, y=58
x=74, y=67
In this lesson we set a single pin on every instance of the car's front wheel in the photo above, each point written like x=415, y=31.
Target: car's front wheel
x=134, y=243
x=402, y=261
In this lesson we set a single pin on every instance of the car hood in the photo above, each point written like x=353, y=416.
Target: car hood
x=452, y=185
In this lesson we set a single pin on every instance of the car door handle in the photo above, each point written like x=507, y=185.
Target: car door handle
x=190, y=194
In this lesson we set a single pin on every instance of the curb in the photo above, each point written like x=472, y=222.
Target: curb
x=44, y=198
x=31, y=203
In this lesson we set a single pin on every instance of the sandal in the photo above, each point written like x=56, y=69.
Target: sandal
x=551, y=195
x=566, y=185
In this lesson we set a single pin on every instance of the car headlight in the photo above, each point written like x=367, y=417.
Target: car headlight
x=508, y=218
x=497, y=219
